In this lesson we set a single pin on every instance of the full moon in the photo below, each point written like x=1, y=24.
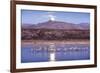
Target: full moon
x=51, y=17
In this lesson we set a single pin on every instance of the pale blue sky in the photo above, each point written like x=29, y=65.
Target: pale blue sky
x=35, y=17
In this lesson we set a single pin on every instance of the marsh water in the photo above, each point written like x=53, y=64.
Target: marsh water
x=63, y=52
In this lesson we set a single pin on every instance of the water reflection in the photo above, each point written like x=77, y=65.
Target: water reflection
x=41, y=52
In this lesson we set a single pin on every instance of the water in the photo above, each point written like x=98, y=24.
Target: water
x=63, y=52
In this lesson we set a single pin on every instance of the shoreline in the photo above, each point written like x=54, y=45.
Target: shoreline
x=23, y=42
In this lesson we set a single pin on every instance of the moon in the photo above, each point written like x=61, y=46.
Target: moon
x=51, y=17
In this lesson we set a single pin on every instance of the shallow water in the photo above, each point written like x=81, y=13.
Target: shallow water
x=63, y=52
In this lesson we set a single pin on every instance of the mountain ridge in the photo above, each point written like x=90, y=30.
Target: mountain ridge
x=56, y=25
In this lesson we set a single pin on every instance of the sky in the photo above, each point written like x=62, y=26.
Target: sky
x=36, y=16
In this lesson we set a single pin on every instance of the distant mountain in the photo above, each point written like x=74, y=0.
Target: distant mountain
x=56, y=25
x=84, y=25
x=26, y=25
